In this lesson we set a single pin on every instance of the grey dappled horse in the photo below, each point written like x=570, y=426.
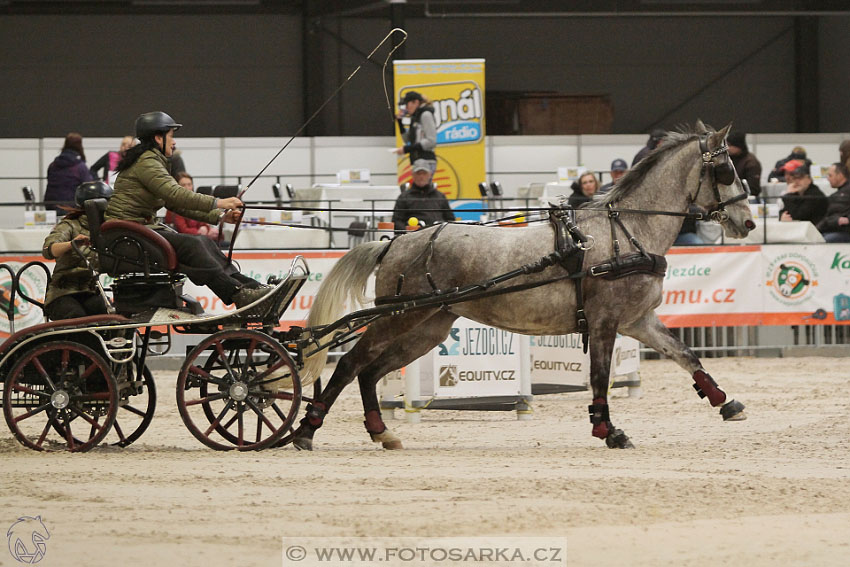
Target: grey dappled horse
x=669, y=179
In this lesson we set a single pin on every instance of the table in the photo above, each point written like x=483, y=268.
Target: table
x=779, y=232
x=347, y=197
x=278, y=238
x=23, y=239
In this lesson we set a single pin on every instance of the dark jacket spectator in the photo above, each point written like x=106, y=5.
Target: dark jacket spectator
x=584, y=188
x=844, y=153
x=66, y=172
x=798, y=153
x=806, y=204
x=655, y=138
x=421, y=201
x=746, y=164
x=835, y=226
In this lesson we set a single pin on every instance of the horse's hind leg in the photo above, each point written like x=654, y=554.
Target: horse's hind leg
x=405, y=350
x=377, y=338
x=651, y=331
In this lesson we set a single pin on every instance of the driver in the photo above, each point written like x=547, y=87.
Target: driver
x=144, y=185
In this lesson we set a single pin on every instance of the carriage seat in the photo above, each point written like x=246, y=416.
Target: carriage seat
x=126, y=247
x=143, y=263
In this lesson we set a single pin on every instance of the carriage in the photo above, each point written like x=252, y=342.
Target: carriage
x=71, y=384
x=68, y=383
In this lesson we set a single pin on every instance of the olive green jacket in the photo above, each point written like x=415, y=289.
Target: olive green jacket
x=70, y=275
x=146, y=186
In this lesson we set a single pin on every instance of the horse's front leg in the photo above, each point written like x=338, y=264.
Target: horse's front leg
x=601, y=345
x=652, y=332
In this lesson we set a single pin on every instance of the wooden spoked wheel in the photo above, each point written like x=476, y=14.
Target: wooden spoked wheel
x=229, y=392
x=136, y=405
x=60, y=395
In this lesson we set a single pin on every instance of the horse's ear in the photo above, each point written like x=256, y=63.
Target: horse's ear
x=721, y=135
x=701, y=129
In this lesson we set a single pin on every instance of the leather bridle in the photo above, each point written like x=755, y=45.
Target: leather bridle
x=723, y=173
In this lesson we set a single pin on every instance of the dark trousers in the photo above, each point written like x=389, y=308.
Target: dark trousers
x=75, y=305
x=203, y=262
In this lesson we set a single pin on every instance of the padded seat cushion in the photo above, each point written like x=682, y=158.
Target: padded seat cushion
x=110, y=230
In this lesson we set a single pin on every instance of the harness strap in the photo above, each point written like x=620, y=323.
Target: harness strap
x=569, y=241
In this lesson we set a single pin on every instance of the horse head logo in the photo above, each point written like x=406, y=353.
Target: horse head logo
x=791, y=280
x=448, y=375
x=27, y=539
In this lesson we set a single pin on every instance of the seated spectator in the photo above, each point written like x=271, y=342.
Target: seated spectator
x=803, y=200
x=798, y=153
x=655, y=138
x=583, y=190
x=619, y=167
x=422, y=201
x=189, y=226
x=835, y=226
x=844, y=153
x=746, y=164
x=688, y=234
x=108, y=162
x=65, y=173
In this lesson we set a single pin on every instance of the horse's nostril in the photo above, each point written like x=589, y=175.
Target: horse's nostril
x=750, y=224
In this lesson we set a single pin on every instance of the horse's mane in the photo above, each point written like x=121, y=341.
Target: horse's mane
x=635, y=176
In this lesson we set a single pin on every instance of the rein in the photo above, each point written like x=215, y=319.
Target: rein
x=316, y=113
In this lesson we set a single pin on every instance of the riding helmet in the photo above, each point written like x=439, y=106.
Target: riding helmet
x=92, y=190
x=152, y=123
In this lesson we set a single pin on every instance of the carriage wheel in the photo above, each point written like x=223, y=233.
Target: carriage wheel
x=136, y=405
x=135, y=409
x=225, y=396
x=317, y=389
x=60, y=395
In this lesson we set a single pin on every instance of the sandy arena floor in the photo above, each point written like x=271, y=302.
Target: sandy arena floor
x=772, y=490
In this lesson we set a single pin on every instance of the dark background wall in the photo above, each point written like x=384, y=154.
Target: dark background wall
x=251, y=74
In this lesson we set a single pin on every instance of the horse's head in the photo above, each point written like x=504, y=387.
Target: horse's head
x=720, y=190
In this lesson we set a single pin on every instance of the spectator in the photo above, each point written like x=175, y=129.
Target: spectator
x=798, y=153
x=420, y=138
x=108, y=162
x=72, y=291
x=584, y=188
x=177, y=165
x=144, y=185
x=688, y=233
x=422, y=201
x=844, y=153
x=618, y=169
x=189, y=226
x=835, y=226
x=65, y=173
x=655, y=138
x=746, y=164
x=803, y=200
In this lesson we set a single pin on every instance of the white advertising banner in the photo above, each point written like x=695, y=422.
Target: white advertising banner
x=703, y=287
x=474, y=361
x=561, y=360
x=757, y=285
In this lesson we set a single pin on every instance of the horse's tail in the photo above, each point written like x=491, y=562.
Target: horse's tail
x=346, y=281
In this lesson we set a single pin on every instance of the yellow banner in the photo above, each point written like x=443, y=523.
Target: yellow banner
x=455, y=88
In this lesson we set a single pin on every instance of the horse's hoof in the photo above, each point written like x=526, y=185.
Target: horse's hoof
x=387, y=439
x=302, y=444
x=618, y=440
x=733, y=411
